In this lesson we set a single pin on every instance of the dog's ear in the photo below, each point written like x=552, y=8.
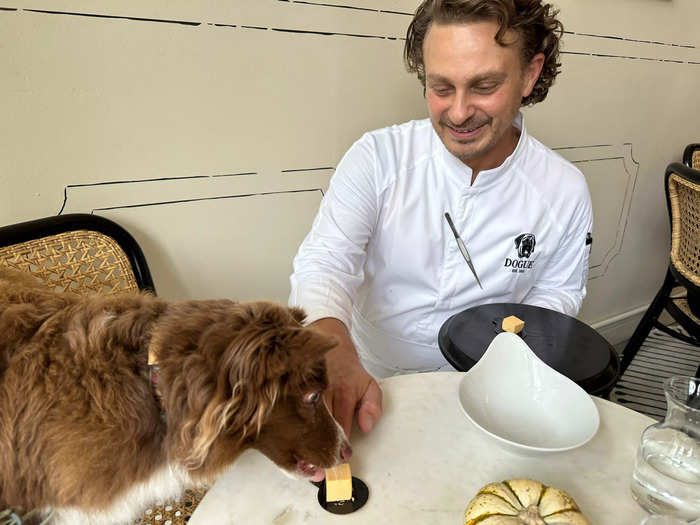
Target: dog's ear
x=264, y=359
x=518, y=239
x=275, y=339
x=297, y=350
x=282, y=362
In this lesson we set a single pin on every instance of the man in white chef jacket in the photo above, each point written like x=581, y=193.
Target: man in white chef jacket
x=382, y=268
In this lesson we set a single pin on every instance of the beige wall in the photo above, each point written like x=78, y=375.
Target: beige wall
x=217, y=126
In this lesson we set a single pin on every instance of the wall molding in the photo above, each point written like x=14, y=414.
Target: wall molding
x=619, y=328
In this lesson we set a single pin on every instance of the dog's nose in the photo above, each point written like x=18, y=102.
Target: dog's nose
x=345, y=452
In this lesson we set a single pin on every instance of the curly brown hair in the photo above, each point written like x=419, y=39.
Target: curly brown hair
x=536, y=24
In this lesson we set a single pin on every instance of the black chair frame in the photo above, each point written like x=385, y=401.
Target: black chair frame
x=688, y=154
x=662, y=299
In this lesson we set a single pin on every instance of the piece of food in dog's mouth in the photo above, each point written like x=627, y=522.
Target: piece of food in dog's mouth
x=338, y=483
x=308, y=470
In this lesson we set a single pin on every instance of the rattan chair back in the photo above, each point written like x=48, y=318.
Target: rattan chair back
x=683, y=193
x=78, y=253
x=84, y=262
x=691, y=156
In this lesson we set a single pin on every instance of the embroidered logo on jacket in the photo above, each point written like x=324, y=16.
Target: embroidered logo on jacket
x=525, y=244
x=524, y=247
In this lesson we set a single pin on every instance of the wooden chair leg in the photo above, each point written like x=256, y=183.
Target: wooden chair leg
x=647, y=322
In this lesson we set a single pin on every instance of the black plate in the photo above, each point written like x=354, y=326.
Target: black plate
x=571, y=347
x=360, y=495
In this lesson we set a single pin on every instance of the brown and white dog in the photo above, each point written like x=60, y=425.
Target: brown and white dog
x=82, y=432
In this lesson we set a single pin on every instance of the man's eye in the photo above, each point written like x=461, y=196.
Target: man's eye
x=486, y=88
x=441, y=92
x=312, y=398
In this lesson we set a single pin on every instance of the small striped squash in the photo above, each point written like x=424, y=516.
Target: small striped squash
x=522, y=502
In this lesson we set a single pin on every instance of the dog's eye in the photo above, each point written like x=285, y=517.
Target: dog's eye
x=312, y=398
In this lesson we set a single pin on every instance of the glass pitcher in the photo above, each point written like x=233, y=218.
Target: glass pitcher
x=666, y=476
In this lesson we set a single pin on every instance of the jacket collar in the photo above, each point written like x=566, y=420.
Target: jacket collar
x=486, y=178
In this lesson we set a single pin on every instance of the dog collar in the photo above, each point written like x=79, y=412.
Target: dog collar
x=154, y=376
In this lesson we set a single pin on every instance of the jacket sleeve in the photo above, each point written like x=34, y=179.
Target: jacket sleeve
x=329, y=266
x=562, y=284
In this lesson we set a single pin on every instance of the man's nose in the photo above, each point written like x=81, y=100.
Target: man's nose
x=461, y=109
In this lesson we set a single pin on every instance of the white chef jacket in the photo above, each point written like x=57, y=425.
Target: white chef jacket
x=381, y=258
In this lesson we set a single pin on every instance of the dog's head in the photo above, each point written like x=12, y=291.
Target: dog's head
x=525, y=244
x=247, y=375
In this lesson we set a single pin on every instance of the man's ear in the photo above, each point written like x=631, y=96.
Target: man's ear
x=531, y=73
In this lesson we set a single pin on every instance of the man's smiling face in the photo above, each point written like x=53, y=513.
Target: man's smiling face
x=474, y=88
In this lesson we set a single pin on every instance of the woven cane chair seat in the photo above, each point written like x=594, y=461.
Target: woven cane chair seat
x=173, y=513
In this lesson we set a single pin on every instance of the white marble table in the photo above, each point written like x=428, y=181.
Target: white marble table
x=424, y=461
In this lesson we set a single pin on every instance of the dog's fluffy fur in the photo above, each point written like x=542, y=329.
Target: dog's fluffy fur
x=81, y=431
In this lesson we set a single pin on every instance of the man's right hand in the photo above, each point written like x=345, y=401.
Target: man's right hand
x=352, y=391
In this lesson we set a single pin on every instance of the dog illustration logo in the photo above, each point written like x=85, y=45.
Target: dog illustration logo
x=525, y=244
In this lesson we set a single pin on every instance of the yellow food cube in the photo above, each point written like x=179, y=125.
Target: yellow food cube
x=512, y=324
x=339, y=483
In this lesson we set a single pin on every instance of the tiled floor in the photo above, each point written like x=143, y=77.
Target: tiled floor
x=661, y=356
